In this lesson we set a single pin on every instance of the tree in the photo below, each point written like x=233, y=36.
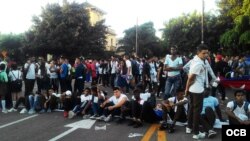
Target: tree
x=148, y=43
x=65, y=30
x=237, y=37
x=185, y=32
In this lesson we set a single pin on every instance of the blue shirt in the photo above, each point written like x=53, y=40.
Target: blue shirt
x=209, y=101
x=64, y=72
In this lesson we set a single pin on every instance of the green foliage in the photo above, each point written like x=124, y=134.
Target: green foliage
x=65, y=30
x=148, y=43
x=185, y=32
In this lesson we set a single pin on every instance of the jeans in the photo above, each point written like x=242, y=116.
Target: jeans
x=172, y=84
x=34, y=101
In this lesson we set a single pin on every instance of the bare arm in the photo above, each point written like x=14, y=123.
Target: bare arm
x=190, y=81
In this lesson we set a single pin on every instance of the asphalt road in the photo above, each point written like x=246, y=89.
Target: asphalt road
x=53, y=126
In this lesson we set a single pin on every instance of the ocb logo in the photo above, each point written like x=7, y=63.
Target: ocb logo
x=236, y=132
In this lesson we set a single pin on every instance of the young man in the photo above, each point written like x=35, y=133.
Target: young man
x=210, y=106
x=112, y=106
x=238, y=110
x=176, y=107
x=173, y=65
x=195, y=88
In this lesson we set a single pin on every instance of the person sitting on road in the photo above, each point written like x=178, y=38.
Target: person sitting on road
x=34, y=102
x=176, y=108
x=48, y=101
x=136, y=109
x=97, y=98
x=238, y=110
x=67, y=102
x=84, y=106
x=210, y=106
x=112, y=106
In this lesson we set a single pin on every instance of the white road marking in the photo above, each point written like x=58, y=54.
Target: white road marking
x=63, y=134
x=9, y=124
x=85, y=124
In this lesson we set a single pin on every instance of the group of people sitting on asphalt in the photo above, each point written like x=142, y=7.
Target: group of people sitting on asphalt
x=137, y=88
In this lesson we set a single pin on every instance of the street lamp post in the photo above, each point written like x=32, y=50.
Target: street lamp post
x=202, y=23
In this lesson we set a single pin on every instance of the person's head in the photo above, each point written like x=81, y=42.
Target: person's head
x=117, y=92
x=77, y=61
x=14, y=66
x=180, y=93
x=239, y=96
x=94, y=90
x=202, y=51
x=86, y=91
x=136, y=93
x=62, y=60
x=2, y=66
x=173, y=50
x=50, y=91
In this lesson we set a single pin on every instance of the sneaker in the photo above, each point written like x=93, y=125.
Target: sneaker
x=71, y=114
x=42, y=111
x=5, y=111
x=101, y=118
x=211, y=134
x=188, y=130
x=65, y=114
x=49, y=110
x=31, y=111
x=199, y=136
x=23, y=111
x=86, y=116
x=12, y=110
x=94, y=117
x=108, y=119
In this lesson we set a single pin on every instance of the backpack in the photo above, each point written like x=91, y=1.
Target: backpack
x=245, y=105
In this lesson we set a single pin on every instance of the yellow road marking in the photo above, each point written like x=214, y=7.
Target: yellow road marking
x=150, y=132
x=161, y=135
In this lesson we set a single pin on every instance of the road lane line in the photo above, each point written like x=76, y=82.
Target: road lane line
x=63, y=134
x=150, y=132
x=9, y=124
x=162, y=135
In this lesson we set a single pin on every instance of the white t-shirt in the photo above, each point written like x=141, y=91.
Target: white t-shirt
x=113, y=65
x=238, y=110
x=173, y=63
x=85, y=98
x=117, y=100
x=172, y=99
x=15, y=74
x=143, y=96
x=129, y=65
x=197, y=67
x=31, y=71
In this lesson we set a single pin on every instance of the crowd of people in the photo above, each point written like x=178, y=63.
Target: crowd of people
x=187, y=89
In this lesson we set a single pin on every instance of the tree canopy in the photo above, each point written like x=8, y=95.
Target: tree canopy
x=65, y=30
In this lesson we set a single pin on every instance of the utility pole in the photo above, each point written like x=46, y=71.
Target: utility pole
x=202, y=23
x=136, y=37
